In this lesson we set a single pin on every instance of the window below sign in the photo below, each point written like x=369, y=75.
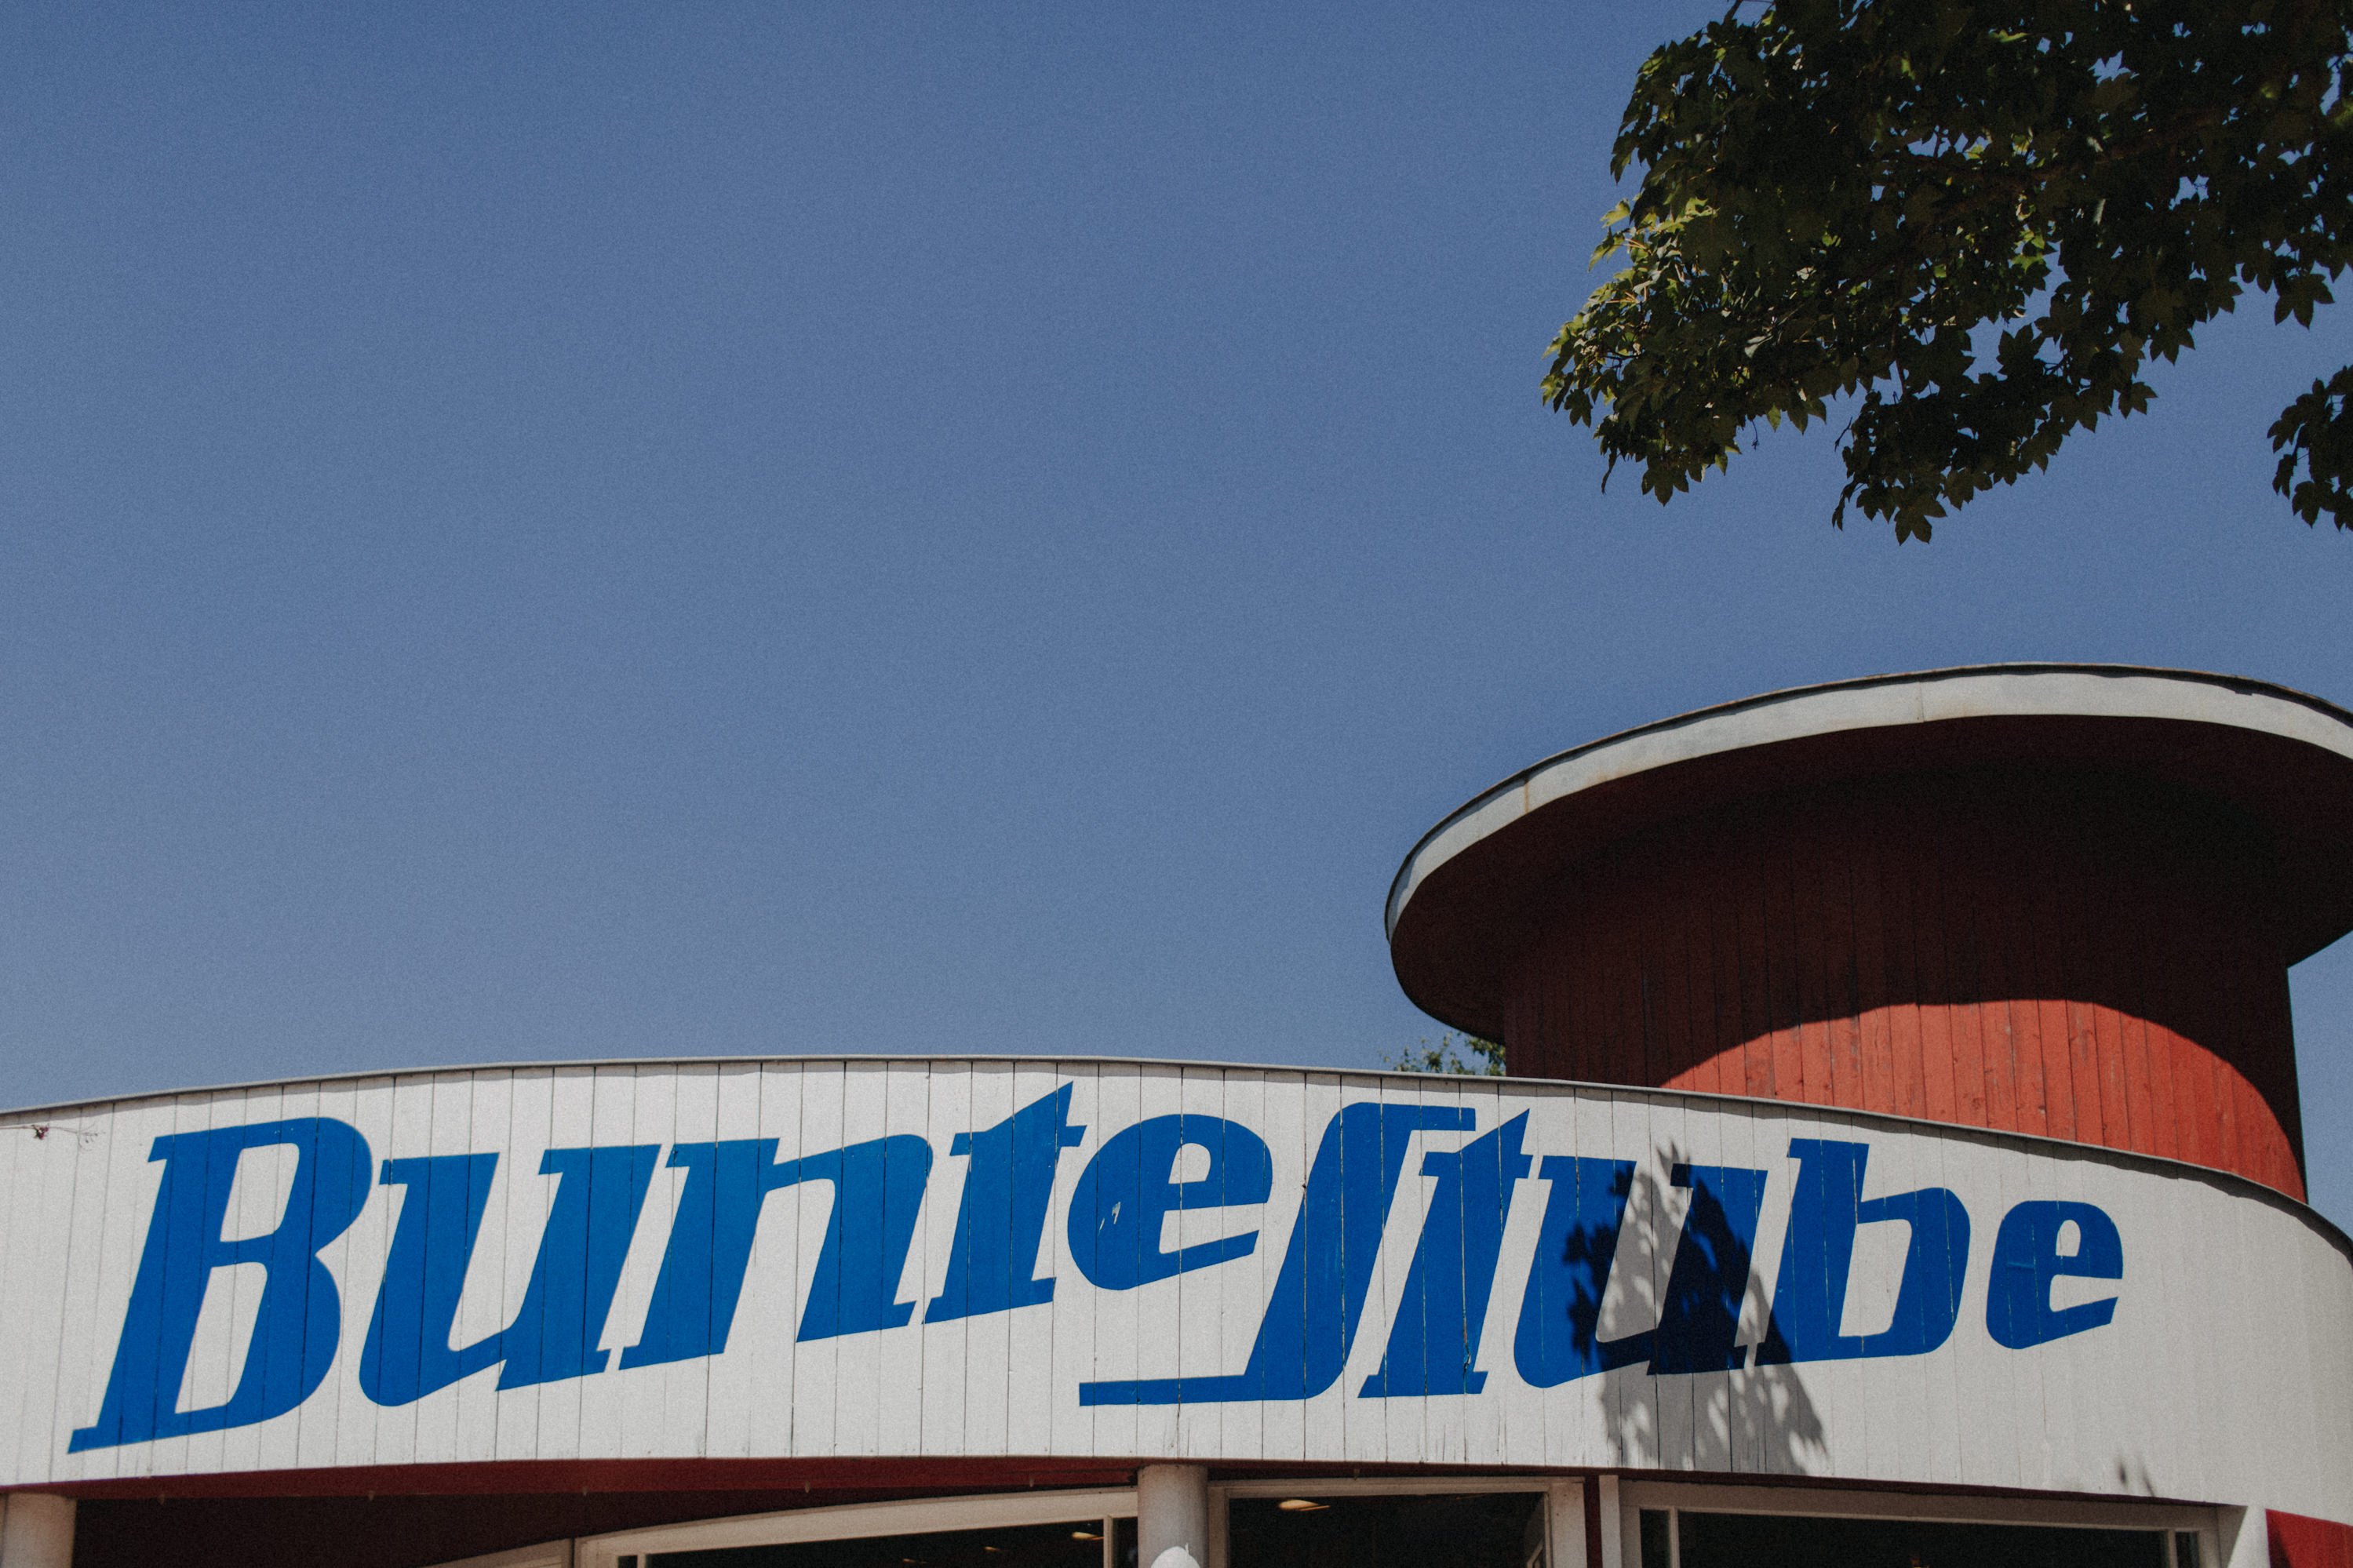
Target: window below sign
x=1395, y=1529
x=1077, y=1545
x=1683, y=1539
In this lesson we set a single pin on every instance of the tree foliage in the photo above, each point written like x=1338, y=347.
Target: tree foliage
x=1985, y=219
x=1446, y=1057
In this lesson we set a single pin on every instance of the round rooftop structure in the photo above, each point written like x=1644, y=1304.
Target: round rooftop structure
x=2050, y=899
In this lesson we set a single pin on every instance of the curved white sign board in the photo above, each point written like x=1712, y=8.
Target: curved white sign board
x=904, y=1258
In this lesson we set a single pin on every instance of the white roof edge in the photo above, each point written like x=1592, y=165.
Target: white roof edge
x=1878, y=702
x=50, y=1112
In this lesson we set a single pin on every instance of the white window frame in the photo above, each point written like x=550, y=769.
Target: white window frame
x=548, y=1554
x=1677, y=1497
x=851, y=1522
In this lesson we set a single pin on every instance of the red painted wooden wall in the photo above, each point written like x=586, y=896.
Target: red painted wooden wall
x=2071, y=953
x=2300, y=1542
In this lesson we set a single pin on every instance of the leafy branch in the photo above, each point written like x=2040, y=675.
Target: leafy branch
x=1447, y=1057
x=1982, y=221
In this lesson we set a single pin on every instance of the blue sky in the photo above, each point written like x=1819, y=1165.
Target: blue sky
x=536, y=532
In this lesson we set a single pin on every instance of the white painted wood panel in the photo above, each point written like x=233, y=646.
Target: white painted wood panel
x=2223, y=1375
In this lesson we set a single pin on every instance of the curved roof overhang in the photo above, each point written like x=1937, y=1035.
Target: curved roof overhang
x=1477, y=886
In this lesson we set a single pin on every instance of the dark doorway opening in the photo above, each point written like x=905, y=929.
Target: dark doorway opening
x=1790, y=1541
x=1392, y=1530
x=1079, y=1545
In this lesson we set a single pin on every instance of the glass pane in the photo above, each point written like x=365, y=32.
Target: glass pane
x=1396, y=1531
x=1780, y=1541
x=1078, y=1545
x=1656, y=1553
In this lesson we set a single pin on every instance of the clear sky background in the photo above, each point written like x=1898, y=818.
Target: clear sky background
x=534, y=532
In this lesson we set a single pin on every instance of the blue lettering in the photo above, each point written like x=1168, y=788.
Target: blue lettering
x=878, y=1190
x=1125, y=1194
x=1824, y=1216
x=2026, y=1259
x=1434, y=1343
x=598, y=1198
x=702, y=1276
x=299, y=1317
x=1559, y=1335
x=1699, y=1322
x=600, y=1193
x=1008, y=1184
x=1311, y=1318
x=407, y=1353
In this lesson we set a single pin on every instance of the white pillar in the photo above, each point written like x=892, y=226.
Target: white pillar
x=37, y=1531
x=1172, y=1516
x=1565, y=1527
x=2246, y=1537
x=1613, y=1528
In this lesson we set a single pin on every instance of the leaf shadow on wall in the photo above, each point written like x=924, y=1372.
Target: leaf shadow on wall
x=1660, y=1281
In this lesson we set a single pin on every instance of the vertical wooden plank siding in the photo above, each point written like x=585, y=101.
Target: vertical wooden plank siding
x=1807, y=863
x=1877, y=1016
x=2215, y=1377
x=2022, y=954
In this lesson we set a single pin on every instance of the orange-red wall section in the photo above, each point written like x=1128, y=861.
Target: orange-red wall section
x=2071, y=953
